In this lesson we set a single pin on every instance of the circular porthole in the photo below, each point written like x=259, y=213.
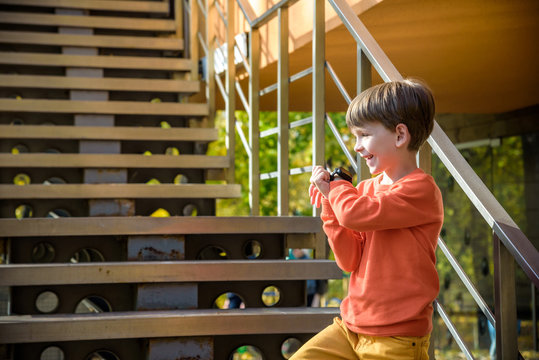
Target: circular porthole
x=172, y=150
x=93, y=304
x=19, y=149
x=271, y=296
x=21, y=179
x=289, y=347
x=190, y=210
x=247, y=352
x=229, y=300
x=47, y=302
x=102, y=355
x=212, y=252
x=24, y=211
x=52, y=353
x=87, y=255
x=252, y=249
x=43, y=252
x=181, y=179
x=58, y=213
x=54, y=180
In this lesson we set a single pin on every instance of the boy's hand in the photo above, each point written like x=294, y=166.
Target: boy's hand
x=319, y=185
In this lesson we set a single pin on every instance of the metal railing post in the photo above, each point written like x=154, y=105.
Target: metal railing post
x=193, y=39
x=282, y=113
x=505, y=302
x=363, y=82
x=254, y=128
x=319, y=109
x=210, y=61
x=231, y=92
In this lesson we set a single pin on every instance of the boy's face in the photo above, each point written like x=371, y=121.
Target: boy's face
x=377, y=145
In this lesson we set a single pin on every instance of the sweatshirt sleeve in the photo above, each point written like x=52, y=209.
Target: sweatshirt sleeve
x=412, y=202
x=347, y=245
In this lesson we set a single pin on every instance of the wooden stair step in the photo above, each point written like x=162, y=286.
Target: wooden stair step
x=94, y=22
x=115, y=161
x=152, y=324
x=141, y=225
x=103, y=107
x=125, y=133
x=166, y=271
x=160, y=7
x=98, y=41
x=108, y=84
x=120, y=191
x=96, y=61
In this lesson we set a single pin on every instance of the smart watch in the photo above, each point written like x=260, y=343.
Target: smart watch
x=341, y=173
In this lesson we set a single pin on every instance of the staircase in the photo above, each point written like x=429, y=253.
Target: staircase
x=108, y=200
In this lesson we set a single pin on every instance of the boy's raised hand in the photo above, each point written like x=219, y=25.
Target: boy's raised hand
x=319, y=185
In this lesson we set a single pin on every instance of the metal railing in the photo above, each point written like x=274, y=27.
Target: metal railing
x=510, y=243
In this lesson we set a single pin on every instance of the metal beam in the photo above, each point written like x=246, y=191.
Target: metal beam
x=282, y=115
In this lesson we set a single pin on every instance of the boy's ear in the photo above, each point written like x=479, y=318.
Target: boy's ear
x=403, y=135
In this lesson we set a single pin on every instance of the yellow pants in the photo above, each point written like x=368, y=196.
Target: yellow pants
x=337, y=342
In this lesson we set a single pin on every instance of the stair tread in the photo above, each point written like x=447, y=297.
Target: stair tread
x=112, y=84
x=149, y=324
x=96, y=61
x=120, y=191
x=107, y=133
x=142, y=225
x=166, y=271
x=103, y=107
x=99, y=41
x=101, y=22
x=109, y=5
x=122, y=161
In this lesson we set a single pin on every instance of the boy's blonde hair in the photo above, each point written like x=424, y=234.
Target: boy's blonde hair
x=409, y=102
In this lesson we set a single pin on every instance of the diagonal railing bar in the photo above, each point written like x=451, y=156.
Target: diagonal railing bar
x=243, y=57
x=239, y=91
x=275, y=130
x=221, y=13
x=243, y=139
x=453, y=330
x=294, y=171
x=466, y=281
x=291, y=79
x=202, y=43
x=343, y=146
x=256, y=22
x=202, y=8
x=221, y=86
x=338, y=82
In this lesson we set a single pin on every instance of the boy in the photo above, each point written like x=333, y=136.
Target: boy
x=384, y=231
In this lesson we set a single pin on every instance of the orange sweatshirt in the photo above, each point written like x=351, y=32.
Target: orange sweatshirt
x=386, y=236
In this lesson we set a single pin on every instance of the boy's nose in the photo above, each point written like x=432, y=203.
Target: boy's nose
x=358, y=146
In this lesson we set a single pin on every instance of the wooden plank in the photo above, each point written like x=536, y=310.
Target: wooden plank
x=99, y=41
x=102, y=107
x=160, y=7
x=94, y=22
x=115, y=161
x=95, y=61
x=108, y=84
x=131, y=133
x=140, y=225
x=172, y=323
x=120, y=191
x=166, y=271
